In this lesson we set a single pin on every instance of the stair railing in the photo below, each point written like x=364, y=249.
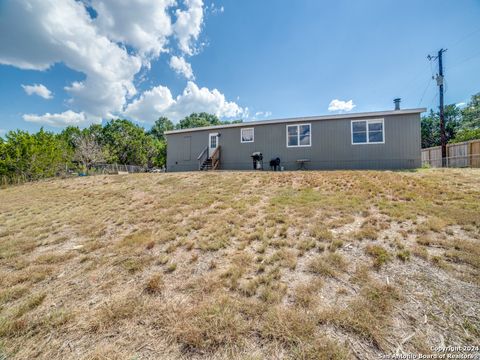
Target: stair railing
x=216, y=159
x=202, y=157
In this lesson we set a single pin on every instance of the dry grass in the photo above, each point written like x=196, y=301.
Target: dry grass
x=211, y=324
x=368, y=315
x=306, y=294
x=155, y=284
x=288, y=326
x=328, y=264
x=226, y=265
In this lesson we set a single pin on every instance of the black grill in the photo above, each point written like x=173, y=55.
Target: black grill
x=257, y=158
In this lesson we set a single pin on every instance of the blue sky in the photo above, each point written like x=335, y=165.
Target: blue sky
x=239, y=59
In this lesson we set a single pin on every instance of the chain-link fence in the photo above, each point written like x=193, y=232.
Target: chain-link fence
x=115, y=169
x=97, y=169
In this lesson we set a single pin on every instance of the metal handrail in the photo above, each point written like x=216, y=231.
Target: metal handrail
x=202, y=153
x=201, y=158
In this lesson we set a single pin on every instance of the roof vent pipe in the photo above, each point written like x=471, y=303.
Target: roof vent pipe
x=397, y=103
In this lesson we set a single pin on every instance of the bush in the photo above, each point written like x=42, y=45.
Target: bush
x=466, y=135
x=379, y=254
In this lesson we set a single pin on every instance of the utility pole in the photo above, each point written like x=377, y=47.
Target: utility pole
x=439, y=78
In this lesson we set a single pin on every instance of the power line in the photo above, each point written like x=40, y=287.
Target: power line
x=411, y=81
x=464, y=38
x=465, y=60
x=432, y=62
x=433, y=99
x=425, y=91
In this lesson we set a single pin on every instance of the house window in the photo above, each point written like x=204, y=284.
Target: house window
x=247, y=135
x=368, y=132
x=298, y=135
x=213, y=142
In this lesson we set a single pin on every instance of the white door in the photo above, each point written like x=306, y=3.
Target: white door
x=212, y=143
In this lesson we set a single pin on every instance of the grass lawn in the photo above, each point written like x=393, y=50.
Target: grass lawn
x=240, y=265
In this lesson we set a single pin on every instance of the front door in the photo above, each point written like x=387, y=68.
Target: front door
x=212, y=143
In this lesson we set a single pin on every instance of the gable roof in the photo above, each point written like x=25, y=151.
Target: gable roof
x=298, y=119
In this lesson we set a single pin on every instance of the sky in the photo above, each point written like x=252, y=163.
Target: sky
x=78, y=62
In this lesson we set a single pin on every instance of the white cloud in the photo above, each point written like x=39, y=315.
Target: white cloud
x=182, y=67
x=38, y=89
x=110, y=50
x=146, y=25
x=66, y=118
x=188, y=25
x=195, y=99
x=150, y=105
x=263, y=114
x=461, y=104
x=339, y=105
x=159, y=102
x=214, y=9
x=62, y=31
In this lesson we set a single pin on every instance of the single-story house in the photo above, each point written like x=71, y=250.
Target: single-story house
x=370, y=140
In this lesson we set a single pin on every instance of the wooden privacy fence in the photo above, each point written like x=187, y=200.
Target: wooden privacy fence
x=464, y=154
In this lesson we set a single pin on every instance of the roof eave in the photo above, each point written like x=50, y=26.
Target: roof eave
x=308, y=118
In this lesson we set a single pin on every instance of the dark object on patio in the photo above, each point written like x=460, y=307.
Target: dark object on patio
x=275, y=164
x=301, y=163
x=257, y=158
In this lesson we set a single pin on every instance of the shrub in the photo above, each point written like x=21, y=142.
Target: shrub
x=154, y=285
x=404, y=255
x=379, y=254
x=171, y=268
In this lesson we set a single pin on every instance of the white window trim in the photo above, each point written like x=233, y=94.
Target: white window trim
x=368, y=121
x=298, y=135
x=241, y=135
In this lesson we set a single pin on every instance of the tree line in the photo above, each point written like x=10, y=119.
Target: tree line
x=28, y=156
x=461, y=124
x=31, y=156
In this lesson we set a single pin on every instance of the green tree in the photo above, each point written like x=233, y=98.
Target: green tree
x=466, y=135
x=471, y=114
x=127, y=143
x=202, y=119
x=161, y=156
x=32, y=156
x=198, y=120
x=430, y=126
x=157, y=132
x=429, y=130
x=160, y=126
x=69, y=134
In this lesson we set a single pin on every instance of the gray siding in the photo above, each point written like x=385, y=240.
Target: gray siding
x=331, y=146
